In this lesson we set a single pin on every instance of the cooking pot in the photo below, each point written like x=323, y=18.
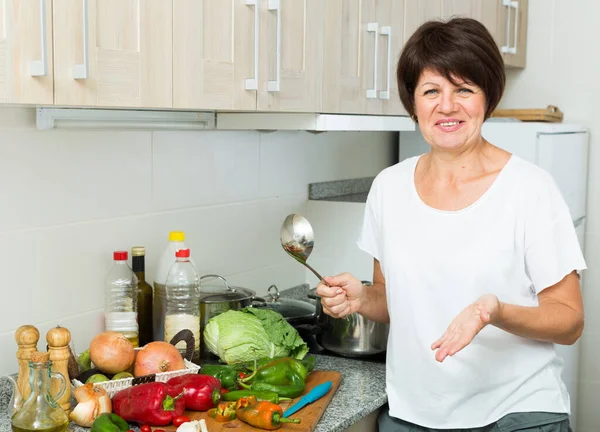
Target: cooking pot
x=350, y=336
x=296, y=312
x=216, y=299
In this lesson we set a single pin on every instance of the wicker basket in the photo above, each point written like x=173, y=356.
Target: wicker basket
x=112, y=387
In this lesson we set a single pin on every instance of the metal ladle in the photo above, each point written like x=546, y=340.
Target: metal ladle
x=297, y=239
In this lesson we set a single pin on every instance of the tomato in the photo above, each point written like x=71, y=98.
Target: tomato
x=145, y=428
x=179, y=420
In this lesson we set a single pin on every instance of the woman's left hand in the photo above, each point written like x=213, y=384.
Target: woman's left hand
x=466, y=325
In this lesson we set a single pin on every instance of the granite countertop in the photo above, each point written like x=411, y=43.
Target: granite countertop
x=361, y=392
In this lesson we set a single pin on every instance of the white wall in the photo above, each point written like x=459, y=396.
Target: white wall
x=563, y=69
x=72, y=197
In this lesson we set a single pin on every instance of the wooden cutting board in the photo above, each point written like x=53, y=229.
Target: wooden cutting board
x=309, y=415
x=549, y=114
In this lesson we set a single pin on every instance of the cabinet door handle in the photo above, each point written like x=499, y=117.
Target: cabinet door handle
x=273, y=86
x=252, y=83
x=80, y=71
x=387, y=31
x=507, y=49
x=373, y=28
x=40, y=67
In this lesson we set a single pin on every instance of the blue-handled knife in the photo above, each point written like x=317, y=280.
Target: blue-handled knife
x=316, y=393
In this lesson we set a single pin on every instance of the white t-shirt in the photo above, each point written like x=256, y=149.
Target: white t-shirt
x=516, y=240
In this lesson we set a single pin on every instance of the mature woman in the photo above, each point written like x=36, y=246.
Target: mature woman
x=476, y=257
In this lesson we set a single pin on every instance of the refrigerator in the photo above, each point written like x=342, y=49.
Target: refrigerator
x=562, y=150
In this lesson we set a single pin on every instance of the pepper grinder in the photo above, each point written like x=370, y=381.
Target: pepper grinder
x=58, y=339
x=27, y=338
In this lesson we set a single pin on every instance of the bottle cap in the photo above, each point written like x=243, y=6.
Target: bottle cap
x=182, y=253
x=138, y=251
x=120, y=255
x=176, y=236
x=40, y=357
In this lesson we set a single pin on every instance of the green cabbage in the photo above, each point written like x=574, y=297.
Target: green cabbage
x=252, y=334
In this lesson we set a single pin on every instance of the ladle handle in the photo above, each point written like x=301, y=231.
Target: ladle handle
x=315, y=273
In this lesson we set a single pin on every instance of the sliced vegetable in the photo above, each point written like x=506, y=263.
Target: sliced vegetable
x=224, y=412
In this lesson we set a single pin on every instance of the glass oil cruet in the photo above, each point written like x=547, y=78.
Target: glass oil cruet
x=40, y=412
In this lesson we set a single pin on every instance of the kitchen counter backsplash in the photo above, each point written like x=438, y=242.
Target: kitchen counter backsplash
x=351, y=190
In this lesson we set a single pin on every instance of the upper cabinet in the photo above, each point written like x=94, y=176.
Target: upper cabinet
x=290, y=55
x=214, y=57
x=26, y=75
x=361, y=46
x=505, y=19
x=113, y=53
x=511, y=31
x=296, y=56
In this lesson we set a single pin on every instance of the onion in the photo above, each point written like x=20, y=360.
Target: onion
x=111, y=352
x=92, y=401
x=157, y=357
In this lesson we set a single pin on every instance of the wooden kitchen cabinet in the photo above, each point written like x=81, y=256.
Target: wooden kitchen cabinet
x=213, y=54
x=26, y=75
x=113, y=53
x=511, y=31
x=505, y=19
x=290, y=47
x=363, y=40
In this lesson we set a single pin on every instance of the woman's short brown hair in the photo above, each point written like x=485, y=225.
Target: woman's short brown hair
x=459, y=48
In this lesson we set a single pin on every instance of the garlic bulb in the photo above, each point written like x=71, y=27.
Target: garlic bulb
x=191, y=426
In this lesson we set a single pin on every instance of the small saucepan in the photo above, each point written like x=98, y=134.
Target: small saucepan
x=351, y=336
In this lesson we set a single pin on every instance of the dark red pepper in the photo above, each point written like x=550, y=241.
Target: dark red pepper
x=202, y=392
x=154, y=404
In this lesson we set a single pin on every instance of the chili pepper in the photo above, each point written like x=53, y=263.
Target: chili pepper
x=264, y=415
x=228, y=375
x=201, y=392
x=260, y=395
x=224, y=412
x=109, y=422
x=287, y=391
x=154, y=403
x=245, y=401
x=282, y=371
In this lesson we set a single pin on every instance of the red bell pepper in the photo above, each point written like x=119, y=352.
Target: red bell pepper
x=154, y=404
x=202, y=392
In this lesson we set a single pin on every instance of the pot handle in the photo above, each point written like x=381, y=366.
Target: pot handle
x=187, y=336
x=227, y=287
x=257, y=302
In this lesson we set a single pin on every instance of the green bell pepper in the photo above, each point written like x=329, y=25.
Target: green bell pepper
x=283, y=371
x=228, y=375
x=109, y=422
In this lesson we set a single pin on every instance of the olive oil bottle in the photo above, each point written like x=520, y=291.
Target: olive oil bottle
x=144, y=300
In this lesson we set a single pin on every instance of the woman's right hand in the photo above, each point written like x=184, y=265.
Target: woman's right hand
x=343, y=296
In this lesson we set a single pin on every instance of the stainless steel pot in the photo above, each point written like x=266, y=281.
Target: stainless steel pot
x=295, y=312
x=216, y=299
x=351, y=336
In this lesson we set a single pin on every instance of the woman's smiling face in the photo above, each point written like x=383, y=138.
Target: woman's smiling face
x=450, y=116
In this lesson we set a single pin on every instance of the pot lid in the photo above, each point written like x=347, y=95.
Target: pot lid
x=289, y=308
x=220, y=291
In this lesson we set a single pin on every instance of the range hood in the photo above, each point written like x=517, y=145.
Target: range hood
x=142, y=119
